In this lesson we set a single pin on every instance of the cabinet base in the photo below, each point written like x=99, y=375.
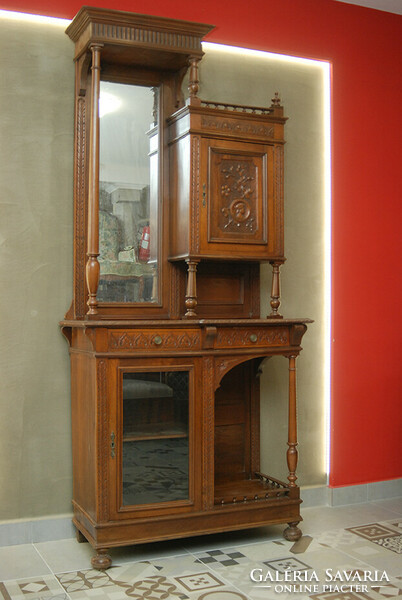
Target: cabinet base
x=127, y=532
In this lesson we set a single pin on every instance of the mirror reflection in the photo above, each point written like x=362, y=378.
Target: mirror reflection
x=128, y=193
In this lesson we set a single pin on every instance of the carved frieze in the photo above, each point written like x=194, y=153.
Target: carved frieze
x=278, y=336
x=151, y=340
x=233, y=126
x=145, y=36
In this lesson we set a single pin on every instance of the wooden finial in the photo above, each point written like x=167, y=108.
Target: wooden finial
x=276, y=101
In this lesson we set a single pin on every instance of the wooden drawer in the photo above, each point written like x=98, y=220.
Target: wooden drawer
x=252, y=337
x=154, y=339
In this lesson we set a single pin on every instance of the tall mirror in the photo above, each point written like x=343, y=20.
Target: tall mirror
x=128, y=193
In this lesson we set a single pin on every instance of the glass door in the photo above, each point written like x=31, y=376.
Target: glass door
x=155, y=437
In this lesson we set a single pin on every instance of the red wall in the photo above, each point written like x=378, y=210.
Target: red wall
x=365, y=50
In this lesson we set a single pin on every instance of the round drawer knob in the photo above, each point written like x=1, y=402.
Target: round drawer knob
x=157, y=340
x=253, y=337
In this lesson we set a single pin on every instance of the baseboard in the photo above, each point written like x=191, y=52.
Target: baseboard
x=49, y=529
x=368, y=492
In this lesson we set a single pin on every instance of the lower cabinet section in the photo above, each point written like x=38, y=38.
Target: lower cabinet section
x=228, y=518
x=167, y=445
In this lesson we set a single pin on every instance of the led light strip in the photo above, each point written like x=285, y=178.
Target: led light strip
x=325, y=68
x=17, y=16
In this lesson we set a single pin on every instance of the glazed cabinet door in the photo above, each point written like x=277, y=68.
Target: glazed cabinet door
x=155, y=440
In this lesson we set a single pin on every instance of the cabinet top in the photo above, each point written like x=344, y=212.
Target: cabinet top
x=158, y=41
x=180, y=323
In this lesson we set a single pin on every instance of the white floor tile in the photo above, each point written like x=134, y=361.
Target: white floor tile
x=234, y=538
x=17, y=562
x=66, y=555
x=331, y=546
x=393, y=504
x=324, y=518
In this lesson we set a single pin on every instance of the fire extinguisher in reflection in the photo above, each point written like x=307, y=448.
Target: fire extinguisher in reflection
x=144, y=250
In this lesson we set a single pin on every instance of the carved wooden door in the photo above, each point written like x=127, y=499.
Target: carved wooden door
x=237, y=198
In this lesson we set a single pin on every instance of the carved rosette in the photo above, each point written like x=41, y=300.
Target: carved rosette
x=237, y=187
x=154, y=340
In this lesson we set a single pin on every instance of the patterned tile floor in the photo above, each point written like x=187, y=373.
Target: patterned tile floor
x=346, y=553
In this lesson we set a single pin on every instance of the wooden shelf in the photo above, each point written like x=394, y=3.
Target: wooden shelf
x=156, y=431
x=250, y=490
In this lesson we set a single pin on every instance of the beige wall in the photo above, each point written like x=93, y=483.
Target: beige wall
x=246, y=79
x=36, y=91
x=36, y=102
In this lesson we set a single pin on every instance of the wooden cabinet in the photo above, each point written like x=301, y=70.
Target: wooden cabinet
x=227, y=196
x=176, y=204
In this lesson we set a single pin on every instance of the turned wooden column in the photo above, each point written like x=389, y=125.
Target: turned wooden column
x=292, y=426
x=193, y=81
x=92, y=266
x=275, y=290
x=191, y=292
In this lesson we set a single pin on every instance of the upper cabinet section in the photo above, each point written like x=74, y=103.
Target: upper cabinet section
x=160, y=180
x=226, y=181
x=129, y=71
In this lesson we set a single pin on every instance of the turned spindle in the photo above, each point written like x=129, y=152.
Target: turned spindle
x=275, y=290
x=292, y=424
x=191, y=292
x=92, y=266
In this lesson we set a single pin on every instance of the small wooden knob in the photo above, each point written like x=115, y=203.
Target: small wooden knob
x=253, y=337
x=157, y=340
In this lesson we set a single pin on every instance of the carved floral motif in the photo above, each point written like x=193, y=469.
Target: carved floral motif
x=238, y=189
x=239, y=337
x=237, y=127
x=141, y=340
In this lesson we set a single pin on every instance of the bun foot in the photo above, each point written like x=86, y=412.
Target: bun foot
x=292, y=533
x=102, y=560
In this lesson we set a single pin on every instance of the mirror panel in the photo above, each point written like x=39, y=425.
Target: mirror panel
x=128, y=193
